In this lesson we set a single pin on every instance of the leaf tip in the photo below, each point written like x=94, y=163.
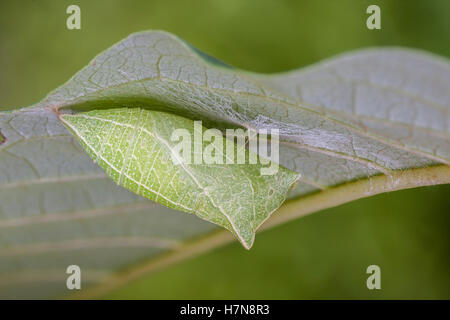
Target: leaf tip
x=248, y=245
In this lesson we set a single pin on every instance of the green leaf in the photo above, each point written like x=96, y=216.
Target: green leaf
x=135, y=148
x=356, y=125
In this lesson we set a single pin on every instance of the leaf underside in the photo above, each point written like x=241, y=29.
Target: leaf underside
x=360, y=117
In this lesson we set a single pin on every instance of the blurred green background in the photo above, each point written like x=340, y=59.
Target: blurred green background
x=324, y=255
